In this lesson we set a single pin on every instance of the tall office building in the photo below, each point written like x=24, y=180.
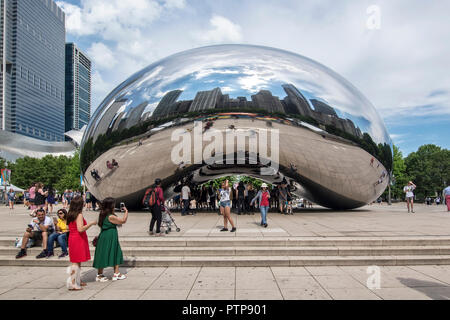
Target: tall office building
x=78, y=88
x=32, y=74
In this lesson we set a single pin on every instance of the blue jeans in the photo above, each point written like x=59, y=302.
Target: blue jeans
x=62, y=240
x=185, y=209
x=264, y=210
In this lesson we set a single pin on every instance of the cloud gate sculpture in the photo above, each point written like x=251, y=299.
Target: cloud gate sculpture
x=238, y=110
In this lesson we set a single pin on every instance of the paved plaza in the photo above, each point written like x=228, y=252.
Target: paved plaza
x=270, y=282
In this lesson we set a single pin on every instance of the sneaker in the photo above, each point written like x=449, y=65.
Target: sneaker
x=101, y=278
x=62, y=255
x=233, y=229
x=118, y=276
x=160, y=234
x=265, y=225
x=224, y=229
x=41, y=255
x=22, y=253
x=50, y=254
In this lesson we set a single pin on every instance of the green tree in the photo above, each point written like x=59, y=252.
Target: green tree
x=399, y=173
x=429, y=169
x=58, y=172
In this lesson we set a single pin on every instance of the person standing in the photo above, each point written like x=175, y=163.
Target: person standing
x=410, y=195
x=78, y=242
x=39, y=199
x=156, y=209
x=250, y=196
x=11, y=198
x=263, y=197
x=225, y=206
x=185, y=195
x=50, y=201
x=282, y=196
x=446, y=196
x=107, y=251
x=212, y=197
x=32, y=193
x=240, y=190
x=88, y=200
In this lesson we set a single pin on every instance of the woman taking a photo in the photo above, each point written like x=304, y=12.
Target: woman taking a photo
x=107, y=251
x=225, y=205
x=78, y=242
x=263, y=197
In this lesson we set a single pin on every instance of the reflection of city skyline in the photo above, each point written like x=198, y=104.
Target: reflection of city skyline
x=294, y=103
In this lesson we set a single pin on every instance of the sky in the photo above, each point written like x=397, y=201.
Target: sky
x=396, y=52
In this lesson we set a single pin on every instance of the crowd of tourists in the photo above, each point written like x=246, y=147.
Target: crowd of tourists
x=68, y=228
x=193, y=198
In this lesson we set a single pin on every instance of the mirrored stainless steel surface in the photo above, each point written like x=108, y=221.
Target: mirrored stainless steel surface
x=333, y=146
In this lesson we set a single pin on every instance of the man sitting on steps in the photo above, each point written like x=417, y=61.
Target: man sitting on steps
x=38, y=230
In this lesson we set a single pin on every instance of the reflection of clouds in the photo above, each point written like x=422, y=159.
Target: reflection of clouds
x=245, y=70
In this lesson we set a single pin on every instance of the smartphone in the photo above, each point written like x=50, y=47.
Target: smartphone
x=122, y=205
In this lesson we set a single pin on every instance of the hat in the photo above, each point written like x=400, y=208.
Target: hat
x=264, y=185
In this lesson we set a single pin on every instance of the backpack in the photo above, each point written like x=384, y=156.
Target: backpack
x=149, y=197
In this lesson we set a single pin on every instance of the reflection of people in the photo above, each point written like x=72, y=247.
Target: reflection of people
x=109, y=164
x=115, y=163
x=409, y=195
x=95, y=175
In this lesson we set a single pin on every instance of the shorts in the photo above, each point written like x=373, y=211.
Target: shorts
x=88, y=200
x=225, y=204
x=36, y=236
x=410, y=198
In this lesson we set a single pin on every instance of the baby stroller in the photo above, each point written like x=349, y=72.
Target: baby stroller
x=167, y=221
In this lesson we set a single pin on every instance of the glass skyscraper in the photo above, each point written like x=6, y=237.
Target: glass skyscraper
x=32, y=50
x=78, y=88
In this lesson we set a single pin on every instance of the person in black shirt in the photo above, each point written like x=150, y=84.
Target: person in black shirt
x=240, y=197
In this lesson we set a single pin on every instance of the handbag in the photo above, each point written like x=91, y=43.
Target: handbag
x=94, y=241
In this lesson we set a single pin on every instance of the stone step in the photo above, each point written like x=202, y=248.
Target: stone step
x=246, y=261
x=260, y=251
x=268, y=241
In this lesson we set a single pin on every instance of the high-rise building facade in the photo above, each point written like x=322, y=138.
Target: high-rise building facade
x=78, y=88
x=32, y=74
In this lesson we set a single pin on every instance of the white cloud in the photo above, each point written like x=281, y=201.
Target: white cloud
x=102, y=56
x=222, y=30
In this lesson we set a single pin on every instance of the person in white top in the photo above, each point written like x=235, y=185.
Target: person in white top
x=185, y=195
x=410, y=195
x=225, y=205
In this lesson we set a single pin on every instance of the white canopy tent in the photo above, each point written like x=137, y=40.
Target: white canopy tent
x=11, y=186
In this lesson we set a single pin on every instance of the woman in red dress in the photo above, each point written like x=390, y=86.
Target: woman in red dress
x=78, y=242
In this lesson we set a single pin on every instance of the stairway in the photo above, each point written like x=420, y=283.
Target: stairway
x=262, y=251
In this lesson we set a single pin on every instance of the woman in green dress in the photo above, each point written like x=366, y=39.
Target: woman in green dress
x=107, y=250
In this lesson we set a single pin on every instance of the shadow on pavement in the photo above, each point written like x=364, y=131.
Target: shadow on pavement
x=434, y=290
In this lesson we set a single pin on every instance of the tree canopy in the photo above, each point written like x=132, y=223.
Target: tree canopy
x=59, y=172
